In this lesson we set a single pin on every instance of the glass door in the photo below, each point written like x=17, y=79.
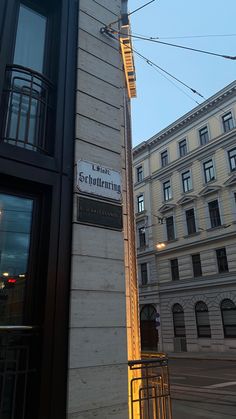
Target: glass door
x=18, y=336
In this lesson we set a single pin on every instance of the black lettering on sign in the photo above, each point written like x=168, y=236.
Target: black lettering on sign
x=90, y=211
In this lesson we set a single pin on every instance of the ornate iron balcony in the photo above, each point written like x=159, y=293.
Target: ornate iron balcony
x=27, y=110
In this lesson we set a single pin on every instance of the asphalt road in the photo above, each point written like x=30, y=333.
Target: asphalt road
x=203, y=389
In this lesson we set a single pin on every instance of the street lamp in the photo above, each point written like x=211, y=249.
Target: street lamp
x=160, y=246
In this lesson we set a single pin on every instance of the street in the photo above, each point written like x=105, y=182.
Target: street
x=203, y=388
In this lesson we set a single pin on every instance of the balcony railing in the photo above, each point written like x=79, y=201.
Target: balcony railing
x=150, y=388
x=27, y=110
x=18, y=371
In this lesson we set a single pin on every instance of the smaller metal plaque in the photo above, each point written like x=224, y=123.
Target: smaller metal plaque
x=98, y=213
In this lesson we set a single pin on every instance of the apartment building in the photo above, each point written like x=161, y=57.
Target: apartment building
x=185, y=195
x=68, y=318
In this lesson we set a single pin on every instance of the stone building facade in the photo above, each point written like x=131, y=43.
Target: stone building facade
x=185, y=195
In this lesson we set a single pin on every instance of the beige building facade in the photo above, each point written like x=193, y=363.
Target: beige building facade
x=185, y=195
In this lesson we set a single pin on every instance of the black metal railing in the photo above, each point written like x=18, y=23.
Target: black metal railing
x=150, y=388
x=27, y=118
x=18, y=371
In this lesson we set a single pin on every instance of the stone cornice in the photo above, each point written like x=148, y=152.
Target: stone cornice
x=201, y=110
x=191, y=284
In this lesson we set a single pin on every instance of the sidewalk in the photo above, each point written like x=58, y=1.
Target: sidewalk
x=219, y=356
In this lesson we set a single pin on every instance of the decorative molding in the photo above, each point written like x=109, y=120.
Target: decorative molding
x=231, y=180
x=186, y=199
x=209, y=190
x=166, y=207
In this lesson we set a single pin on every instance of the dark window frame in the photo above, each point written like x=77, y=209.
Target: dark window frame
x=140, y=203
x=203, y=135
x=214, y=213
x=186, y=181
x=202, y=321
x=222, y=261
x=190, y=221
x=197, y=266
x=232, y=159
x=227, y=121
x=170, y=228
x=164, y=158
x=167, y=192
x=229, y=305
x=139, y=173
x=178, y=321
x=144, y=273
x=209, y=171
x=174, y=266
x=183, y=148
x=142, y=237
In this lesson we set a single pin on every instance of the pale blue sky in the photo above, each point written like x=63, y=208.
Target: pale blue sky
x=159, y=102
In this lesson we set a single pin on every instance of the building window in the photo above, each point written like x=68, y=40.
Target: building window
x=144, y=273
x=183, y=148
x=228, y=122
x=214, y=213
x=232, y=159
x=174, y=269
x=203, y=136
x=209, y=171
x=197, y=267
x=202, y=320
x=164, y=158
x=142, y=237
x=187, y=181
x=178, y=320
x=140, y=203
x=139, y=173
x=222, y=260
x=167, y=190
x=170, y=231
x=228, y=313
x=190, y=221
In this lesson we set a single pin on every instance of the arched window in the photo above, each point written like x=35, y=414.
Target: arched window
x=178, y=320
x=148, y=313
x=228, y=312
x=149, y=332
x=202, y=320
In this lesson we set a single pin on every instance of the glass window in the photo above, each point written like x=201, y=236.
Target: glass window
x=140, y=203
x=183, y=148
x=187, y=181
x=202, y=320
x=209, y=171
x=174, y=269
x=196, y=262
x=190, y=221
x=228, y=122
x=203, y=135
x=139, y=172
x=142, y=237
x=167, y=190
x=178, y=320
x=164, y=158
x=232, y=159
x=228, y=313
x=170, y=231
x=30, y=39
x=15, y=233
x=222, y=260
x=214, y=213
x=144, y=273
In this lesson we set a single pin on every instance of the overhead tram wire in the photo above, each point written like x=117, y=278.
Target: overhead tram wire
x=150, y=39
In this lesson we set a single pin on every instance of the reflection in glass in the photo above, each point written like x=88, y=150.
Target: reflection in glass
x=15, y=230
x=27, y=101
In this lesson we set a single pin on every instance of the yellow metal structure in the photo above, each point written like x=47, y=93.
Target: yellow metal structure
x=128, y=60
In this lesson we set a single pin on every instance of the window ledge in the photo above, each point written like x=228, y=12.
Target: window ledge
x=216, y=228
x=171, y=241
x=192, y=235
